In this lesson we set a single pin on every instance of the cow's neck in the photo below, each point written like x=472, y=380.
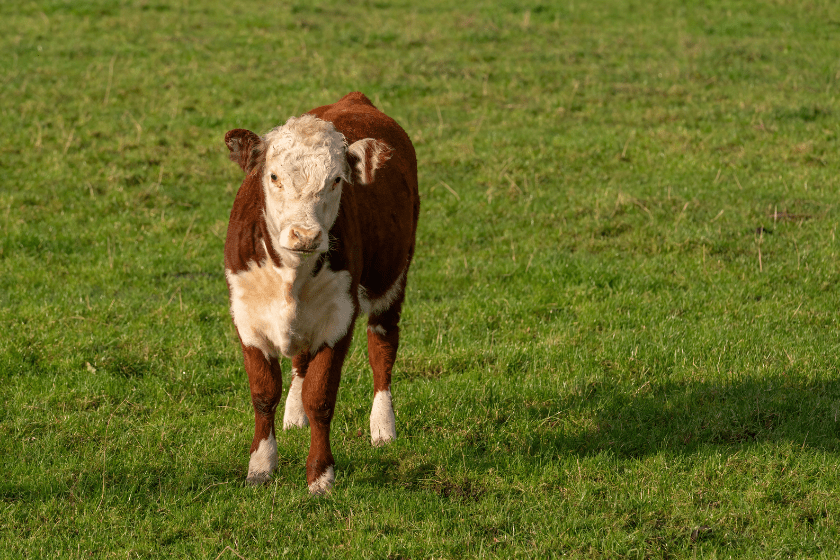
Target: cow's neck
x=296, y=273
x=317, y=308
x=297, y=276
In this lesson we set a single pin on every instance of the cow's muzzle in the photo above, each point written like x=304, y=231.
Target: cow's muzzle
x=305, y=240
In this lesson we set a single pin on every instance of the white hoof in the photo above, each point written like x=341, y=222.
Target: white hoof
x=263, y=462
x=324, y=483
x=383, y=425
x=294, y=416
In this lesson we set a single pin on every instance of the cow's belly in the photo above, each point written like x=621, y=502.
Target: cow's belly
x=276, y=314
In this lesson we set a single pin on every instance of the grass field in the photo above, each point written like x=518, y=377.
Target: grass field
x=621, y=332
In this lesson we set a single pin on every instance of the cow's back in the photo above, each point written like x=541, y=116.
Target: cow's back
x=384, y=212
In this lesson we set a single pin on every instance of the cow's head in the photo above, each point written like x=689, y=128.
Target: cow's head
x=303, y=166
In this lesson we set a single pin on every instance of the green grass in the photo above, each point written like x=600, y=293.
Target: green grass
x=621, y=334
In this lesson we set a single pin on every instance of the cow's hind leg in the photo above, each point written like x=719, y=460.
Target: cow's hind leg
x=383, y=334
x=265, y=379
x=294, y=415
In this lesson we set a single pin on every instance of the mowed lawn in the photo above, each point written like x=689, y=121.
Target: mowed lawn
x=621, y=333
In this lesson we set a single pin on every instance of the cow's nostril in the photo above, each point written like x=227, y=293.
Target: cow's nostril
x=305, y=239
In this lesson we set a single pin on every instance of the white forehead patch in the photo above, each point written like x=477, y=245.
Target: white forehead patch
x=305, y=151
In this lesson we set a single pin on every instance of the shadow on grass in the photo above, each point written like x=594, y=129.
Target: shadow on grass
x=633, y=422
x=624, y=422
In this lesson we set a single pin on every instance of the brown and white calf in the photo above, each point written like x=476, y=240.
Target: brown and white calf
x=322, y=229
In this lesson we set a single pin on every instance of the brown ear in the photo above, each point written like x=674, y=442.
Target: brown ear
x=365, y=157
x=246, y=148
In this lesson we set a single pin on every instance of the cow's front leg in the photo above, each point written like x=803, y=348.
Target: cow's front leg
x=266, y=386
x=320, y=388
x=294, y=416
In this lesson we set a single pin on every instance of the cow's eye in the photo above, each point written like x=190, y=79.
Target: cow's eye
x=337, y=180
x=273, y=177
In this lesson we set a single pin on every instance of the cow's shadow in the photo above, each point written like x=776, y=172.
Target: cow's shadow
x=622, y=422
x=685, y=417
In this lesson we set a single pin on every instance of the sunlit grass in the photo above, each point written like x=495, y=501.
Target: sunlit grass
x=620, y=338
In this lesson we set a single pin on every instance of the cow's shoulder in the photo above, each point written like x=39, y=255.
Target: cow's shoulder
x=357, y=118
x=355, y=100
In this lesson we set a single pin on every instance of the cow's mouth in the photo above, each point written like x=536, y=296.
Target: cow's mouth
x=303, y=252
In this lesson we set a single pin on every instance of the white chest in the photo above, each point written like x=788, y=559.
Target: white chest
x=279, y=312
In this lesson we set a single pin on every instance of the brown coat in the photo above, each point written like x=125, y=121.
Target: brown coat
x=370, y=246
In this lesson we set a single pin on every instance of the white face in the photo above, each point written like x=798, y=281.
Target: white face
x=305, y=169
